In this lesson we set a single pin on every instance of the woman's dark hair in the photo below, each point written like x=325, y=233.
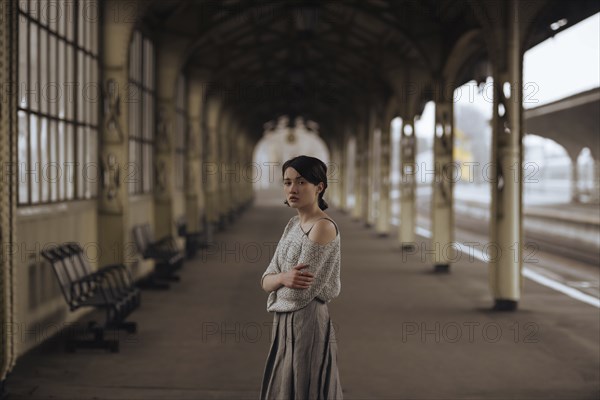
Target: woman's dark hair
x=313, y=170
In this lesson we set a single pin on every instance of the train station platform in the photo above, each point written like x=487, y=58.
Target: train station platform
x=403, y=331
x=561, y=227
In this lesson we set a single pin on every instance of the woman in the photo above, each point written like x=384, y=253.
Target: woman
x=303, y=276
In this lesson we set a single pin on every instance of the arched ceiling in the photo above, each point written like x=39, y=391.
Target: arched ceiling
x=319, y=59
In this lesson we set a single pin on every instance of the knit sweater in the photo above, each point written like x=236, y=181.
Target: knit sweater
x=324, y=261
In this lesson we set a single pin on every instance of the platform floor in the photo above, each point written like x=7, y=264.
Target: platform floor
x=403, y=332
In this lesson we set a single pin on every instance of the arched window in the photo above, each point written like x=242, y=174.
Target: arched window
x=141, y=90
x=58, y=103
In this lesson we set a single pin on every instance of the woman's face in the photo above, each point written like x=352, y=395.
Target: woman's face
x=298, y=191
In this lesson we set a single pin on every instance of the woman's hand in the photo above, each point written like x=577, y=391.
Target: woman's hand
x=297, y=278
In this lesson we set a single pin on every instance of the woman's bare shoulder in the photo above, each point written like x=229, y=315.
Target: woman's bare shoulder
x=324, y=231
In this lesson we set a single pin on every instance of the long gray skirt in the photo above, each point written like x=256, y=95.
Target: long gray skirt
x=302, y=361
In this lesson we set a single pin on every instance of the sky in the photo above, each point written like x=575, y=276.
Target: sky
x=563, y=65
x=566, y=64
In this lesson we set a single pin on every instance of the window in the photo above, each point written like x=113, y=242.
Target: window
x=180, y=132
x=59, y=92
x=141, y=101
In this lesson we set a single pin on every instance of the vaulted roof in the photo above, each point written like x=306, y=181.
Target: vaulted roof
x=326, y=59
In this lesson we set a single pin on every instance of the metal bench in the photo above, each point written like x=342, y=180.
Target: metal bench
x=193, y=240
x=167, y=257
x=118, y=276
x=82, y=287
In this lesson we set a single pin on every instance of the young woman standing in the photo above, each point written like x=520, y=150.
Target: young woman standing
x=303, y=276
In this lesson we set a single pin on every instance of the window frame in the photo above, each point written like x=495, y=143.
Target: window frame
x=141, y=99
x=52, y=92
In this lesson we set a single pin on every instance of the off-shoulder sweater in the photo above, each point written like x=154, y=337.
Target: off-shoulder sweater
x=324, y=261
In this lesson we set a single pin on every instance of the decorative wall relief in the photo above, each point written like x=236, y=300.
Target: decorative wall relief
x=160, y=173
x=112, y=112
x=191, y=178
x=111, y=184
x=163, y=125
x=192, y=142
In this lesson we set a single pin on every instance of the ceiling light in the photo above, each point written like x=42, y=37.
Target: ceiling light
x=558, y=24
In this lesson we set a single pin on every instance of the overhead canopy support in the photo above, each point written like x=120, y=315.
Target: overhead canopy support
x=384, y=214
x=506, y=230
x=408, y=185
x=442, y=215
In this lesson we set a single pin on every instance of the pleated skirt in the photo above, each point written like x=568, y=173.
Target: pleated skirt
x=302, y=361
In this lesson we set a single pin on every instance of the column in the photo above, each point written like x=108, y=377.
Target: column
x=332, y=193
x=596, y=188
x=235, y=160
x=358, y=176
x=221, y=198
x=248, y=148
x=113, y=198
x=8, y=192
x=368, y=183
x=210, y=168
x=343, y=174
x=442, y=215
x=246, y=170
x=506, y=232
x=164, y=185
x=408, y=185
x=227, y=175
x=384, y=214
x=574, y=180
x=375, y=209
x=194, y=197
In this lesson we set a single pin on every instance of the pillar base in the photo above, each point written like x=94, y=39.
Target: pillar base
x=3, y=391
x=208, y=229
x=505, y=305
x=231, y=216
x=441, y=268
x=222, y=223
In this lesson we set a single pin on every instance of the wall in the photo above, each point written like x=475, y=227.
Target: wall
x=41, y=307
x=141, y=210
